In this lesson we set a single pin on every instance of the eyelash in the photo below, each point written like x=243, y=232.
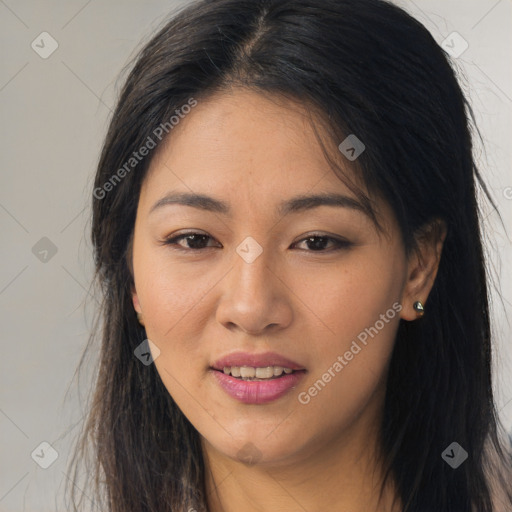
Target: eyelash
x=172, y=241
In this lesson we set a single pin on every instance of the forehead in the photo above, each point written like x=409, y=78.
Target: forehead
x=242, y=141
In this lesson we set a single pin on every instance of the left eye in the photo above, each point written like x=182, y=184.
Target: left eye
x=198, y=241
x=317, y=243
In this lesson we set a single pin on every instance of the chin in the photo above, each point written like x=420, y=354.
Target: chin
x=253, y=448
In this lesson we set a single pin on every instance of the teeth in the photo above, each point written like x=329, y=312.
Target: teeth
x=251, y=373
x=278, y=370
x=247, y=371
x=265, y=373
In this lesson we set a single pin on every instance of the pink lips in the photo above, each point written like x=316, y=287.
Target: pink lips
x=255, y=360
x=257, y=392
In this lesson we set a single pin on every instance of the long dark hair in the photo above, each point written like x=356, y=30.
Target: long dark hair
x=372, y=70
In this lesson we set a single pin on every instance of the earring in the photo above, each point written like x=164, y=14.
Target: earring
x=139, y=318
x=418, y=307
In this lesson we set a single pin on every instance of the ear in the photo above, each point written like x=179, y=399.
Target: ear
x=423, y=265
x=135, y=300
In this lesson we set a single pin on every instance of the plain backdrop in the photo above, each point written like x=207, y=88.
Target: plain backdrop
x=54, y=115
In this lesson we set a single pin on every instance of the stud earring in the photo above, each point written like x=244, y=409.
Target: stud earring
x=418, y=307
x=139, y=318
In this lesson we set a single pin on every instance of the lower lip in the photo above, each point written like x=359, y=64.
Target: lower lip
x=258, y=391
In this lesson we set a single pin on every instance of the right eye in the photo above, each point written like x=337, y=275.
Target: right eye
x=195, y=241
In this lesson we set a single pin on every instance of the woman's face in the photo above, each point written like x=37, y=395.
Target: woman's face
x=315, y=284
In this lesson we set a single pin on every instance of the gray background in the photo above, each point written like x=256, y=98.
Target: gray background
x=54, y=115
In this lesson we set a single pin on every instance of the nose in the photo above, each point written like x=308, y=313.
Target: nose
x=254, y=297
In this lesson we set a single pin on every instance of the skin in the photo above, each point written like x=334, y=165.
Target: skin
x=252, y=152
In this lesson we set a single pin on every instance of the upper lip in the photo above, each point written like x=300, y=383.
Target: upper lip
x=255, y=360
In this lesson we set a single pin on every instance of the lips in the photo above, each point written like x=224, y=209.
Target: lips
x=255, y=360
x=257, y=392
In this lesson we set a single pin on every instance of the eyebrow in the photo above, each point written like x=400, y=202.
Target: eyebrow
x=293, y=205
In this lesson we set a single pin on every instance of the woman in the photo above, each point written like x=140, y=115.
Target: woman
x=287, y=237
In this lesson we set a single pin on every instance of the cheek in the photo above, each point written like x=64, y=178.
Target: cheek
x=348, y=379
x=359, y=307
x=349, y=297
x=175, y=306
x=173, y=299
x=170, y=294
